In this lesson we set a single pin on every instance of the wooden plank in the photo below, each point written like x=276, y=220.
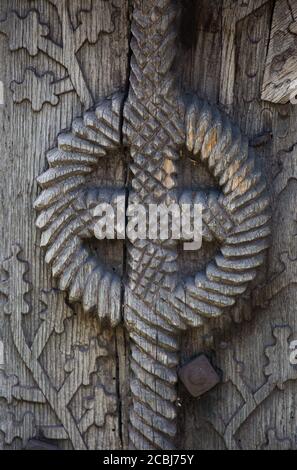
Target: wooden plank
x=49, y=346
x=65, y=379
x=280, y=76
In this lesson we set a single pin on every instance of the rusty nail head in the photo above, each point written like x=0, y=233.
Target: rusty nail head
x=199, y=376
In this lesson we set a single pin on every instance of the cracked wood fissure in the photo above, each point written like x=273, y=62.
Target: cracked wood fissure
x=154, y=128
x=152, y=293
x=158, y=122
x=69, y=353
x=153, y=100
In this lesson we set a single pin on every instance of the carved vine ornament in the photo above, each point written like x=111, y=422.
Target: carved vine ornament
x=155, y=123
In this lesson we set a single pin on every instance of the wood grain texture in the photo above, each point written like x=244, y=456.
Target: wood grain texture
x=280, y=76
x=62, y=347
x=232, y=13
x=156, y=122
x=256, y=413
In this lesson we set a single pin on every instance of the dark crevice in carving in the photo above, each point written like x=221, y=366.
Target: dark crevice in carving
x=106, y=257
x=156, y=125
x=188, y=23
x=124, y=264
x=118, y=392
x=273, y=3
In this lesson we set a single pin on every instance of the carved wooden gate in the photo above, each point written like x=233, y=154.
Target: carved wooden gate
x=140, y=344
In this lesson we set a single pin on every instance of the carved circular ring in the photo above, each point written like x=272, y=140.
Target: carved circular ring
x=66, y=208
x=241, y=211
x=68, y=198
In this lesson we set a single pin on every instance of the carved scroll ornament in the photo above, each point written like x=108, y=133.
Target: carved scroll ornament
x=155, y=123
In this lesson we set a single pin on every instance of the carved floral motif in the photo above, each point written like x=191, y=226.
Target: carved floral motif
x=39, y=90
x=29, y=33
x=154, y=123
x=74, y=151
x=280, y=78
x=79, y=367
x=228, y=422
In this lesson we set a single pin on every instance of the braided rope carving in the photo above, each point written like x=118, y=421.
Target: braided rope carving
x=210, y=135
x=154, y=132
x=156, y=124
x=66, y=202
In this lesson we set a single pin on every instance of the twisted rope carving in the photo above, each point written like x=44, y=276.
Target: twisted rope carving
x=157, y=123
x=66, y=202
x=154, y=132
x=244, y=198
x=158, y=308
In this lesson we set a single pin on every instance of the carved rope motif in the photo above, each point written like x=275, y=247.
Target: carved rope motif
x=155, y=123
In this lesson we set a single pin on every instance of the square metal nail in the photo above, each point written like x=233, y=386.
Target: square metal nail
x=198, y=376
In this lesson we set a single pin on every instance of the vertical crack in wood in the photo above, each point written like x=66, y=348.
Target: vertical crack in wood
x=121, y=344
x=155, y=122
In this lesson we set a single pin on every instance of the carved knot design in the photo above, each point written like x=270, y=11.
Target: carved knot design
x=155, y=123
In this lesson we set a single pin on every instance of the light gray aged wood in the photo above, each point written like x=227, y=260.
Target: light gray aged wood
x=59, y=360
x=156, y=123
x=280, y=76
x=257, y=412
x=60, y=376
x=232, y=13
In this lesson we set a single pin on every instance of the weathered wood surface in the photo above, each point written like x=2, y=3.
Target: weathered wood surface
x=75, y=361
x=72, y=391
x=253, y=354
x=280, y=76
